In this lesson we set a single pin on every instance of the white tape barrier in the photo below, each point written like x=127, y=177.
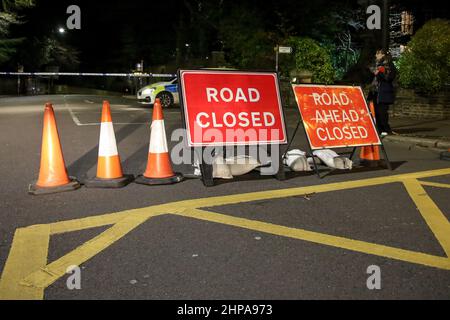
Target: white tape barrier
x=87, y=74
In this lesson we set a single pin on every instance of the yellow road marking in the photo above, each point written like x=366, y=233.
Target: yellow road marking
x=26, y=274
x=435, y=184
x=433, y=216
x=284, y=193
x=28, y=253
x=104, y=220
x=320, y=238
x=55, y=270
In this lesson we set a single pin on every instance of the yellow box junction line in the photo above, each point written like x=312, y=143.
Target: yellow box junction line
x=27, y=272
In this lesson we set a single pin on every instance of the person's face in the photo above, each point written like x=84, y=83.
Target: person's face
x=379, y=56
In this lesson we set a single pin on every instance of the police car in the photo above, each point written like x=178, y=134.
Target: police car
x=167, y=92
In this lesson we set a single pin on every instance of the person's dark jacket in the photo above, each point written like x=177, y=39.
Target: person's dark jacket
x=385, y=78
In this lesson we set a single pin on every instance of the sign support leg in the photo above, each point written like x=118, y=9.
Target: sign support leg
x=293, y=136
x=316, y=167
x=353, y=153
x=206, y=171
x=388, y=163
x=281, y=175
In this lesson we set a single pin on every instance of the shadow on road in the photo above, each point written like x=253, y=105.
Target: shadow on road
x=82, y=165
x=255, y=175
x=361, y=169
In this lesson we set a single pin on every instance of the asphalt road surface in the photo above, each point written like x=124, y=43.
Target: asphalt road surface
x=249, y=238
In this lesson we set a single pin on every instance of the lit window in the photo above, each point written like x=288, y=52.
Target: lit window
x=407, y=23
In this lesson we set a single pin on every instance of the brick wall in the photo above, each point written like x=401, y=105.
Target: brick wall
x=410, y=104
x=407, y=104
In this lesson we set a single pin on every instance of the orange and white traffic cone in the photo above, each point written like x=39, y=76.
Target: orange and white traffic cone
x=53, y=175
x=370, y=156
x=109, y=169
x=159, y=169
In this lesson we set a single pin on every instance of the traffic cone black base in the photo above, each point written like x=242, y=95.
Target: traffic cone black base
x=370, y=163
x=109, y=183
x=445, y=155
x=178, y=177
x=33, y=189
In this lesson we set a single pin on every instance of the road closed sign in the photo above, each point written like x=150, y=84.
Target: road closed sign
x=232, y=108
x=335, y=116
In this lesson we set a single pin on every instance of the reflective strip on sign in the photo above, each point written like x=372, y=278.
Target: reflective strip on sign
x=107, y=146
x=158, y=141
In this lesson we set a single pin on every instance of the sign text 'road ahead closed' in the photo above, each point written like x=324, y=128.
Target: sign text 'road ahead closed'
x=335, y=116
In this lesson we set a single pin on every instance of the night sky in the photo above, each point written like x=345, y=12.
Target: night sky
x=148, y=29
x=105, y=25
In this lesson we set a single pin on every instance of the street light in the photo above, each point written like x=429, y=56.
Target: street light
x=61, y=30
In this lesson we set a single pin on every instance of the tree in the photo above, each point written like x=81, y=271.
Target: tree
x=8, y=16
x=425, y=66
x=51, y=52
x=202, y=20
x=241, y=31
x=245, y=39
x=310, y=56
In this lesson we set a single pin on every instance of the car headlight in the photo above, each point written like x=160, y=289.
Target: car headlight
x=148, y=91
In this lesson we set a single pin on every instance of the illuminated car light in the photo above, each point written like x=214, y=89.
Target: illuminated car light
x=148, y=91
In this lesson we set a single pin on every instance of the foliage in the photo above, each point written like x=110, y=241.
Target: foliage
x=425, y=66
x=55, y=53
x=337, y=28
x=8, y=16
x=245, y=40
x=343, y=60
x=49, y=52
x=310, y=55
x=10, y=5
x=8, y=47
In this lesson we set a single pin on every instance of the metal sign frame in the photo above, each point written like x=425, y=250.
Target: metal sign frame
x=355, y=147
x=207, y=169
x=220, y=144
x=336, y=86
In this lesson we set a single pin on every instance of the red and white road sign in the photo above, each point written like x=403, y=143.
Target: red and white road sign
x=335, y=116
x=232, y=108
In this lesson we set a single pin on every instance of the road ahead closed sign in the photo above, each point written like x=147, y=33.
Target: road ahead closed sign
x=232, y=108
x=335, y=116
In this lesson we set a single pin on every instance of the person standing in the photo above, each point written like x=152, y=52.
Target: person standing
x=383, y=94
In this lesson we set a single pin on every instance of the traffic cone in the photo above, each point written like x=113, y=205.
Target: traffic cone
x=53, y=177
x=109, y=169
x=370, y=156
x=159, y=169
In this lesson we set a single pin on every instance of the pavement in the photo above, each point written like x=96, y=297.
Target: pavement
x=424, y=133
x=249, y=238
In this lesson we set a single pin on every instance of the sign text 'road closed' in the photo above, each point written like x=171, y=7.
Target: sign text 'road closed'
x=335, y=116
x=232, y=108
